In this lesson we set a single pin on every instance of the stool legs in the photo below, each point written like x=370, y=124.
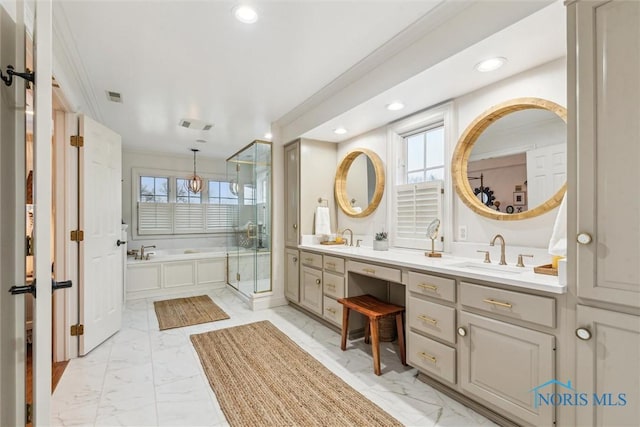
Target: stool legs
x=345, y=328
x=400, y=328
x=375, y=345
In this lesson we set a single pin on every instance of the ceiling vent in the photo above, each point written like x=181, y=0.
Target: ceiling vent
x=114, y=96
x=195, y=124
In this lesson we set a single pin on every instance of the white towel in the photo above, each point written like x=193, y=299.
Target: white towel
x=323, y=220
x=558, y=241
x=357, y=209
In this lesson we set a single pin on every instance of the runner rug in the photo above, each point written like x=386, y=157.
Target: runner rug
x=179, y=312
x=261, y=377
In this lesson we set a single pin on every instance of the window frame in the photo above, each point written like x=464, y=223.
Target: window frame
x=173, y=176
x=396, y=132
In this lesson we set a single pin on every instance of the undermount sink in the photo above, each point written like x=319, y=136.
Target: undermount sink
x=489, y=268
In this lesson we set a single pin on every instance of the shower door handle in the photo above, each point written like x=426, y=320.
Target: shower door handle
x=120, y=242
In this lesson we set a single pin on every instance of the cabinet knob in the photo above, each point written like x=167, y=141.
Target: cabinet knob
x=295, y=259
x=584, y=238
x=295, y=226
x=583, y=333
x=317, y=281
x=462, y=331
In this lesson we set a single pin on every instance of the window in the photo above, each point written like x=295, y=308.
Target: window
x=418, y=145
x=424, y=155
x=223, y=193
x=184, y=195
x=154, y=189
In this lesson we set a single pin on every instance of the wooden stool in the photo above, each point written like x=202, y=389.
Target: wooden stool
x=373, y=309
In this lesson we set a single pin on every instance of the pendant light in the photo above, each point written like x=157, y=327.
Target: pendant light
x=195, y=182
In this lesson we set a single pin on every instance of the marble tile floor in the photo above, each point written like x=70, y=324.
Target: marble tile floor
x=144, y=377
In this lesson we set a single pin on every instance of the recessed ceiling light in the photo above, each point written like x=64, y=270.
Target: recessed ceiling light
x=490, y=64
x=245, y=14
x=268, y=135
x=340, y=131
x=395, y=106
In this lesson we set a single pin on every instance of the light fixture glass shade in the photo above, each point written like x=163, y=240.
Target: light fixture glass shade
x=195, y=184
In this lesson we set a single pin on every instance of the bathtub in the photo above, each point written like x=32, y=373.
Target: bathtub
x=174, y=271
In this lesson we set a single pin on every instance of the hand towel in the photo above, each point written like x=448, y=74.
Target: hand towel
x=558, y=241
x=323, y=220
x=357, y=209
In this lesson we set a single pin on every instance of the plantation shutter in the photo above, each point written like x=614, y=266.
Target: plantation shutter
x=155, y=218
x=220, y=217
x=188, y=218
x=416, y=206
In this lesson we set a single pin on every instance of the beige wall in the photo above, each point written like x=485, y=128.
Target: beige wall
x=547, y=81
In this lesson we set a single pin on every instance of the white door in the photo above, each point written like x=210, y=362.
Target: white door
x=101, y=261
x=12, y=224
x=546, y=172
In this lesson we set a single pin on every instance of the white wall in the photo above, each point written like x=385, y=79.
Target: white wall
x=183, y=165
x=547, y=81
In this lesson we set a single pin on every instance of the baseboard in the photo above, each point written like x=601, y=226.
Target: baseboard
x=482, y=410
x=268, y=301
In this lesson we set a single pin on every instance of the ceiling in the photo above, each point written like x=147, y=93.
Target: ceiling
x=192, y=59
x=184, y=59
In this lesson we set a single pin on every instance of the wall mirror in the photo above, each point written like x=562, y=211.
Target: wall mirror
x=511, y=162
x=359, y=183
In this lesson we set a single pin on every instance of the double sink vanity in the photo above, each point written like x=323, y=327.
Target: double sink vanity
x=484, y=331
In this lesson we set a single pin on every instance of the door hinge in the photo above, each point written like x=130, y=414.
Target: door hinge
x=77, y=330
x=77, y=141
x=77, y=236
x=442, y=238
x=238, y=277
x=237, y=167
x=442, y=191
x=29, y=413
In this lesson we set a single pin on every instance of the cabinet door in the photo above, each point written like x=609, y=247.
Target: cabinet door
x=292, y=284
x=608, y=363
x=311, y=289
x=502, y=364
x=608, y=138
x=292, y=193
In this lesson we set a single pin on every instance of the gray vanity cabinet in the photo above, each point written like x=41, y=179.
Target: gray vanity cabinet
x=292, y=275
x=609, y=362
x=502, y=363
x=311, y=289
x=292, y=194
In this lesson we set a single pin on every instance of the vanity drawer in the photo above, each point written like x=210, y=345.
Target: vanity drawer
x=311, y=259
x=432, y=319
x=530, y=308
x=332, y=263
x=384, y=273
x=332, y=311
x=432, y=286
x=333, y=285
x=431, y=357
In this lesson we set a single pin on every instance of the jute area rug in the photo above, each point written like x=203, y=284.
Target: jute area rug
x=262, y=378
x=179, y=312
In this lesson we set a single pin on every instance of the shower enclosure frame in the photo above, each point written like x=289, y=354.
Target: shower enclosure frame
x=251, y=238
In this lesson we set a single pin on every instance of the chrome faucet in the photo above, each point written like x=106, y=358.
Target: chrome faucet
x=350, y=234
x=502, y=247
x=142, y=248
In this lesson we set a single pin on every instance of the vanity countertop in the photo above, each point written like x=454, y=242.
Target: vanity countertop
x=448, y=264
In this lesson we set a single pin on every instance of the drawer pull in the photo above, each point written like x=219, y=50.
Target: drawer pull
x=428, y=287
x=308, y=259
x=498, y=303
x=330, y=285
x=332, y=264
x=428, y=319
x=369, y=270
x=428, y=357
x=331, y=310
x=317, y=281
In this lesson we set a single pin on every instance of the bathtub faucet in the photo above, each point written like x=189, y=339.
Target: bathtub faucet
x=142, y=248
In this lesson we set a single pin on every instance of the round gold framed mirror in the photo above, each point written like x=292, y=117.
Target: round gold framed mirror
x=359, y=183
x=510, y=162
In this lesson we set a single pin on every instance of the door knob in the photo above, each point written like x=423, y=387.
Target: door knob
x=462, y=331
x=120, y=242
x=583, y=333
x=584, y=238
